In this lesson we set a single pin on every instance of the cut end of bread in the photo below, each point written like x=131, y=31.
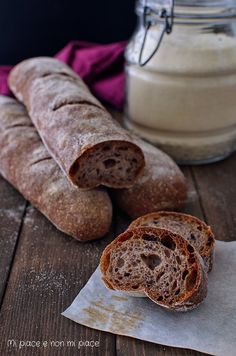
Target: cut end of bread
x=157, y=262
x=114, y=164
x=195, y=231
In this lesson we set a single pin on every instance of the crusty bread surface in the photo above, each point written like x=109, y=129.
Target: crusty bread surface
x=161, y=185
x=26, y=164
x=89, y=146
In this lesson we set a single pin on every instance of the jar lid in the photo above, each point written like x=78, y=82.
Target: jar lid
x=168, y=12
x=194, y=3
x=185, y=11
x=205, y=3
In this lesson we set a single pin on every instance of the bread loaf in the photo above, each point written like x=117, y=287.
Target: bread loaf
x=26, y=164
x=79, y=133
x=161, y=186
x=158, y=263
x=198, y=234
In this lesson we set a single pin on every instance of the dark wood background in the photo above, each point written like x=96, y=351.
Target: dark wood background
x=30, y=28
x=42, y=270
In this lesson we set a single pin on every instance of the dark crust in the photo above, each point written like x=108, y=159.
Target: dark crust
x=26, y=164
x=208, y=253
x=190, y=299
x=69, y=119
x=161, y=185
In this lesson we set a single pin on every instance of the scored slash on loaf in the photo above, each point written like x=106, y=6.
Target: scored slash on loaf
x=27, y=165
x=79, y=133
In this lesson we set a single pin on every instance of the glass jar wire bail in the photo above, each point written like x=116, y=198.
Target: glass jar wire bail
x=166, y=16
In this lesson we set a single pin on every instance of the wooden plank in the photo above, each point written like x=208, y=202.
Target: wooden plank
x=12, y=206
x=49, y=270
x=217, y=189
x=129, y=346
x=193, y=204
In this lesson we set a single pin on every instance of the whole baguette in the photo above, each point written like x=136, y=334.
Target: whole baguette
x=26, y=164
x=157, y=263
x=161, y=186
x=79, y=133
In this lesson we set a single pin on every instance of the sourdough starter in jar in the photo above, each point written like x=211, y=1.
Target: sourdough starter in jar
x=184, y=99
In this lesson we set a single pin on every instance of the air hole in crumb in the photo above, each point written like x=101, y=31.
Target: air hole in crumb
x=191, y=260
x=159, y=276
x=190, y=248
x=135, y=287
x=191, y=280
x=178, y=260
x=151, y=261
x=177, y=291
x=167, y=253
x=120, y=262
x=168, y=242
x=109, y=163
x=150, y=283
x=199, y=228
x=184, y=274
x=174, y=285
x=147, y=237
x=192, y=237
x=127, y=274
x=160, y=298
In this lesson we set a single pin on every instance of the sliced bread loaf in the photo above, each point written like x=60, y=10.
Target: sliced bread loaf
x=191, y=228
x=158, y=263
x=90, y=147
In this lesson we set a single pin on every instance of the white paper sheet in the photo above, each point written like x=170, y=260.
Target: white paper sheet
x=211, y=328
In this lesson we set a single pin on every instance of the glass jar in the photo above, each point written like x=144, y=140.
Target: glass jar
x=181, y=78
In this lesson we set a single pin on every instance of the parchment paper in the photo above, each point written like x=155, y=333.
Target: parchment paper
x=211, y=328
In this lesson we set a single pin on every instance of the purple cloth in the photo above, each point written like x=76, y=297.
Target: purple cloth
x=4, y=71
x=100, y=66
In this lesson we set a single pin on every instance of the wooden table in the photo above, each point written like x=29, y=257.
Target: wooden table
x=42, y=270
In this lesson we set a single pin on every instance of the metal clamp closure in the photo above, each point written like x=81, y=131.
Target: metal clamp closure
x=167, y=16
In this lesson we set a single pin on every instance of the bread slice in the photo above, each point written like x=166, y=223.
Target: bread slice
x=158, y=263
x=191, y=228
